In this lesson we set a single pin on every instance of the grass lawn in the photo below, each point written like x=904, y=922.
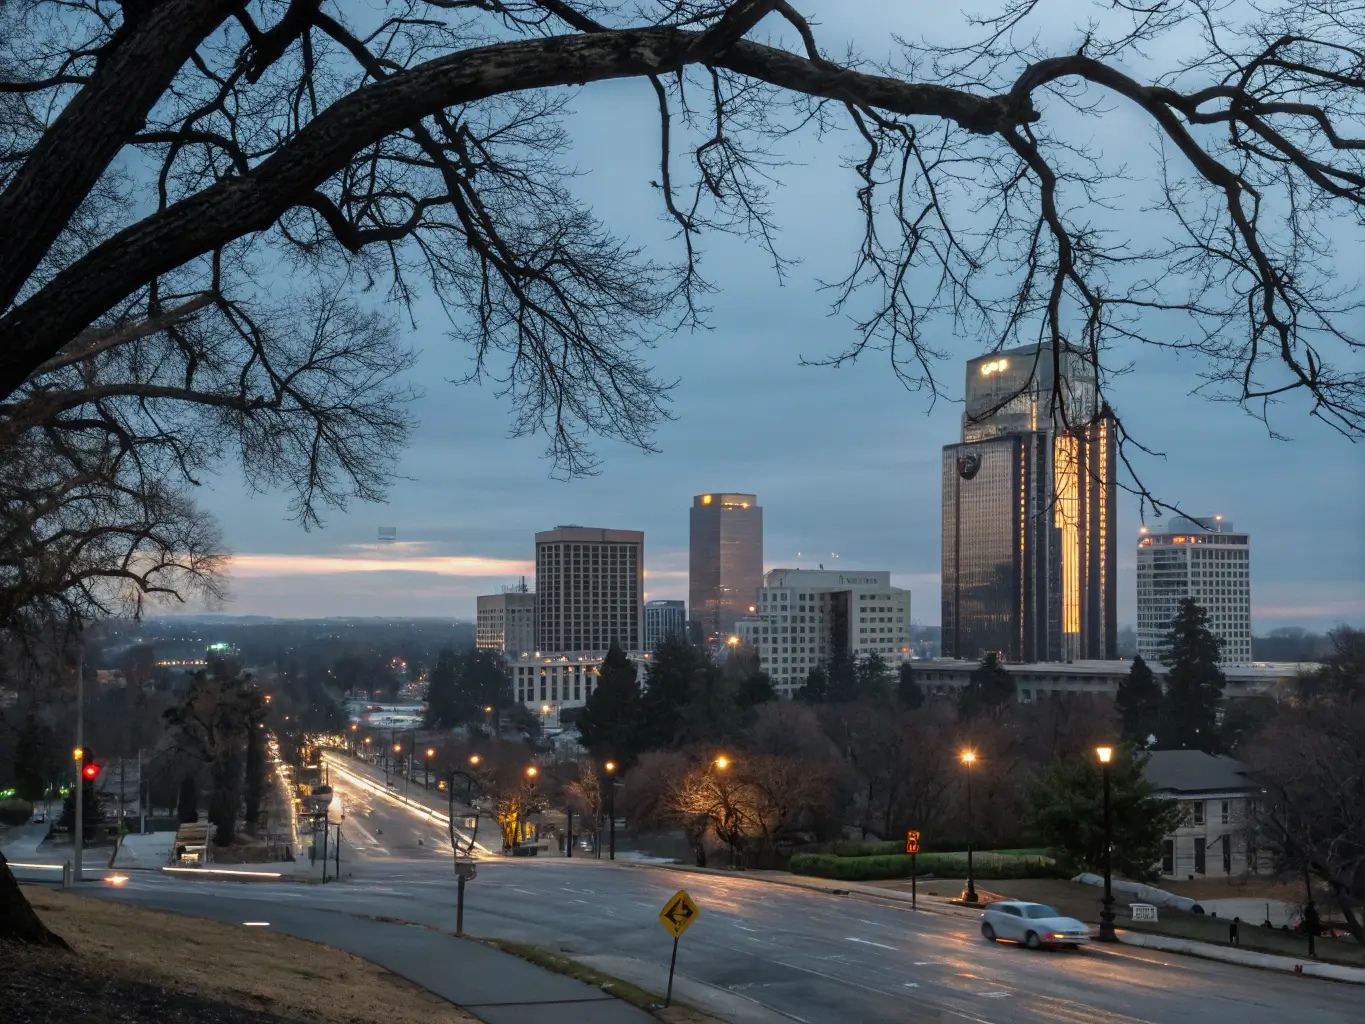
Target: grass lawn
x=254, y=969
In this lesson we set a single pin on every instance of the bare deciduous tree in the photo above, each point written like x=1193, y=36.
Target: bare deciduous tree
x=144, y=147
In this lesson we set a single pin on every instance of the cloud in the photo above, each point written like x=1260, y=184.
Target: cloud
x=275, y=565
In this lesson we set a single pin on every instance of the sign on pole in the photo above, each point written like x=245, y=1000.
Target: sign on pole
x=676, y=917
x=912, y=848
x=678, y=913
x=912, y=842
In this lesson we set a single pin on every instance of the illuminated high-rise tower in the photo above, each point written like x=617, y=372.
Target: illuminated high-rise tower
x=725, y=562
x=1029, y=559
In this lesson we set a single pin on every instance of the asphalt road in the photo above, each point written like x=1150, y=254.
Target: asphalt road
x=802, y=955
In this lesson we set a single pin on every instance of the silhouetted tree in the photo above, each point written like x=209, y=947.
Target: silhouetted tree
x=908, y=692
x=989, y=688
x=873, y=678
x=1194, y=682
x=36, y=759
x=610, y=719
x=1139, y=700
x=187, y=802
x=816, y=688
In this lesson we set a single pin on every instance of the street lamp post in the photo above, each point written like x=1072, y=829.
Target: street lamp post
x=426, y=769
x=1105, y=755
x=969, y=759
x=610, y=767
x=397, y=749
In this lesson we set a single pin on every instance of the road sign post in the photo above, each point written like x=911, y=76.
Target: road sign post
x=912, y=848
x=676, y=917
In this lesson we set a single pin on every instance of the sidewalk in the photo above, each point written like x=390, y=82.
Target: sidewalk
x=939, y=905
x=494, y=986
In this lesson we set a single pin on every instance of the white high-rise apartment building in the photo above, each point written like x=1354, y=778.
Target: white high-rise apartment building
x=1202, y=558
x=801, y=616
x=590, y=586
x=506, y=622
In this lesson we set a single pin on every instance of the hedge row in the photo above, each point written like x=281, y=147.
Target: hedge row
x=897, y=865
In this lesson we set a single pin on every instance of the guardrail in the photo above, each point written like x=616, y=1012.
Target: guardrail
x=63, y=872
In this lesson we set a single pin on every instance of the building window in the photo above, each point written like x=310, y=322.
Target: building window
x=1226, y=811
x=1197, y=811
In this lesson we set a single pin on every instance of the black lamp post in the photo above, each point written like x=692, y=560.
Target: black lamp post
x=1105, y=755
x=611, y=809
x=969, y=759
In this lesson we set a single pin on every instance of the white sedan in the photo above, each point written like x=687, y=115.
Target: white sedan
x=1036, y=925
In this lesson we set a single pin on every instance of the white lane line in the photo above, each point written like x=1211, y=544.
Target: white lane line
x=910, y=984
x=868, y=942
x=926, y=963
x=993, y=995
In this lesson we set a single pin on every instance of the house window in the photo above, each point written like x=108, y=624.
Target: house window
x=1198, y=813
x=1168, y=856
x=1200, y=865
x=1226, y=811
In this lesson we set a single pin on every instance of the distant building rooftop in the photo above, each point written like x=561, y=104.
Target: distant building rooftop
x=1193, y=771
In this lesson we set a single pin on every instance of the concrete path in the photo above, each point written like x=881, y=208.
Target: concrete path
x=494, y=986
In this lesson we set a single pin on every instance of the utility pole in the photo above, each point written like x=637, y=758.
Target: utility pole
x=80, y=761
x=141, y=799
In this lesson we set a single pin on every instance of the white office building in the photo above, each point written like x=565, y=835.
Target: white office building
x=548, y=683
x=1203, y=558
x=801, y=616
x=664, y=619
x=506, y=623
x=590, y=589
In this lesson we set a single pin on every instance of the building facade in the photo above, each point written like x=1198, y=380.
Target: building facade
x=506, y=622
x=664, y=619
x=1029, y=564
x=1203, y=558
x=589, y=589
x=549, y=683
x=944, y=677
x=803, y=616
x=1216, y=835
x=725, y=561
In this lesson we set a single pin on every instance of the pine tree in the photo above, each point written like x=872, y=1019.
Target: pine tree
x=872, y=678
x=1194, y=682
x=35, y=759
x=1140, y=703
x=92, y=811
x=816, y=688
x=442, y=700
x=989, y=688
x=908, y=691
x=843, y=677
x=254, y=789
x=670, y=682
x=609, y=723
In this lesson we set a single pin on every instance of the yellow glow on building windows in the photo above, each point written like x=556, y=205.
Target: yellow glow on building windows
x=1066, y=491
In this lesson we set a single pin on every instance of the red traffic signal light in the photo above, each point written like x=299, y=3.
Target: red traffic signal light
x=89, y=771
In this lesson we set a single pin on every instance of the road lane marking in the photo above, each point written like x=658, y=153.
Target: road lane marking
x=869, y=942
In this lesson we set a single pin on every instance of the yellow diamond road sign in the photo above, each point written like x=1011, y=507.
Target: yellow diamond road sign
x=678, y=913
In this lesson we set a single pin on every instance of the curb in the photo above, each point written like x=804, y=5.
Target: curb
x=1245, y=958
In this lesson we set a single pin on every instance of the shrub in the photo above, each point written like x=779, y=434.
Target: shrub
x=15, y=812
x=885, y=866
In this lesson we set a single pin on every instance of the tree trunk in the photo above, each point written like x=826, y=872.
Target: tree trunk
x=18, y=920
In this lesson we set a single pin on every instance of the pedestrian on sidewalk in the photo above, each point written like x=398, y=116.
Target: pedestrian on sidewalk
x=1234, y=936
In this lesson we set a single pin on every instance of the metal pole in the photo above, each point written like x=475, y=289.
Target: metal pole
x=611, y=833
x=971, y=875
x=671, y=964
x=326, y=832
x=568, y=835
x=459, y=905
x=1107, y=913
x=80, y=765
x=141, y=797
x=337, y=873
x=914, y=882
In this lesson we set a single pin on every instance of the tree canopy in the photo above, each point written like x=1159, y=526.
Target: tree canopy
x=1194, y=682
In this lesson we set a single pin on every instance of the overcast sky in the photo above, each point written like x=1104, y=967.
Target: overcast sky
x=844, y=462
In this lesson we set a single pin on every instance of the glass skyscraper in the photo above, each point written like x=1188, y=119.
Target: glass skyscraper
x=725, y=561
x=1029, y=559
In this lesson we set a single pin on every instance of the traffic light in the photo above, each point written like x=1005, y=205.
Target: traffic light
x=90, y=768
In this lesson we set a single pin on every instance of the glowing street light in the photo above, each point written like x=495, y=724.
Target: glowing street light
x=610, y=769
x=474, y=759
x=969, y=759
x=722, y=762
x=532, y=772
x=1106, y=754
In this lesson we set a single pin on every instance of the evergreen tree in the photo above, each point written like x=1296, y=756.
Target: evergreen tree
x=1194, y=682
x=908, y=691
x=35, y=759
x=872, y=678
x=669, y=685
x=843, y=677
x=187, y=804
x=1140, y=703
x=254, y=787
x=1068, y=813
x=609, y=722
x=92, y=811
x=754, y=689
x=442, y=699
x=990, y=688
x=816, y=688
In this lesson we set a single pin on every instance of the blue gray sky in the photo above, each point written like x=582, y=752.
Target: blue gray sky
x=844, y=461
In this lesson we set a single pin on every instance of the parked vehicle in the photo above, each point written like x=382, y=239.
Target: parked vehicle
x=1036, y=925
